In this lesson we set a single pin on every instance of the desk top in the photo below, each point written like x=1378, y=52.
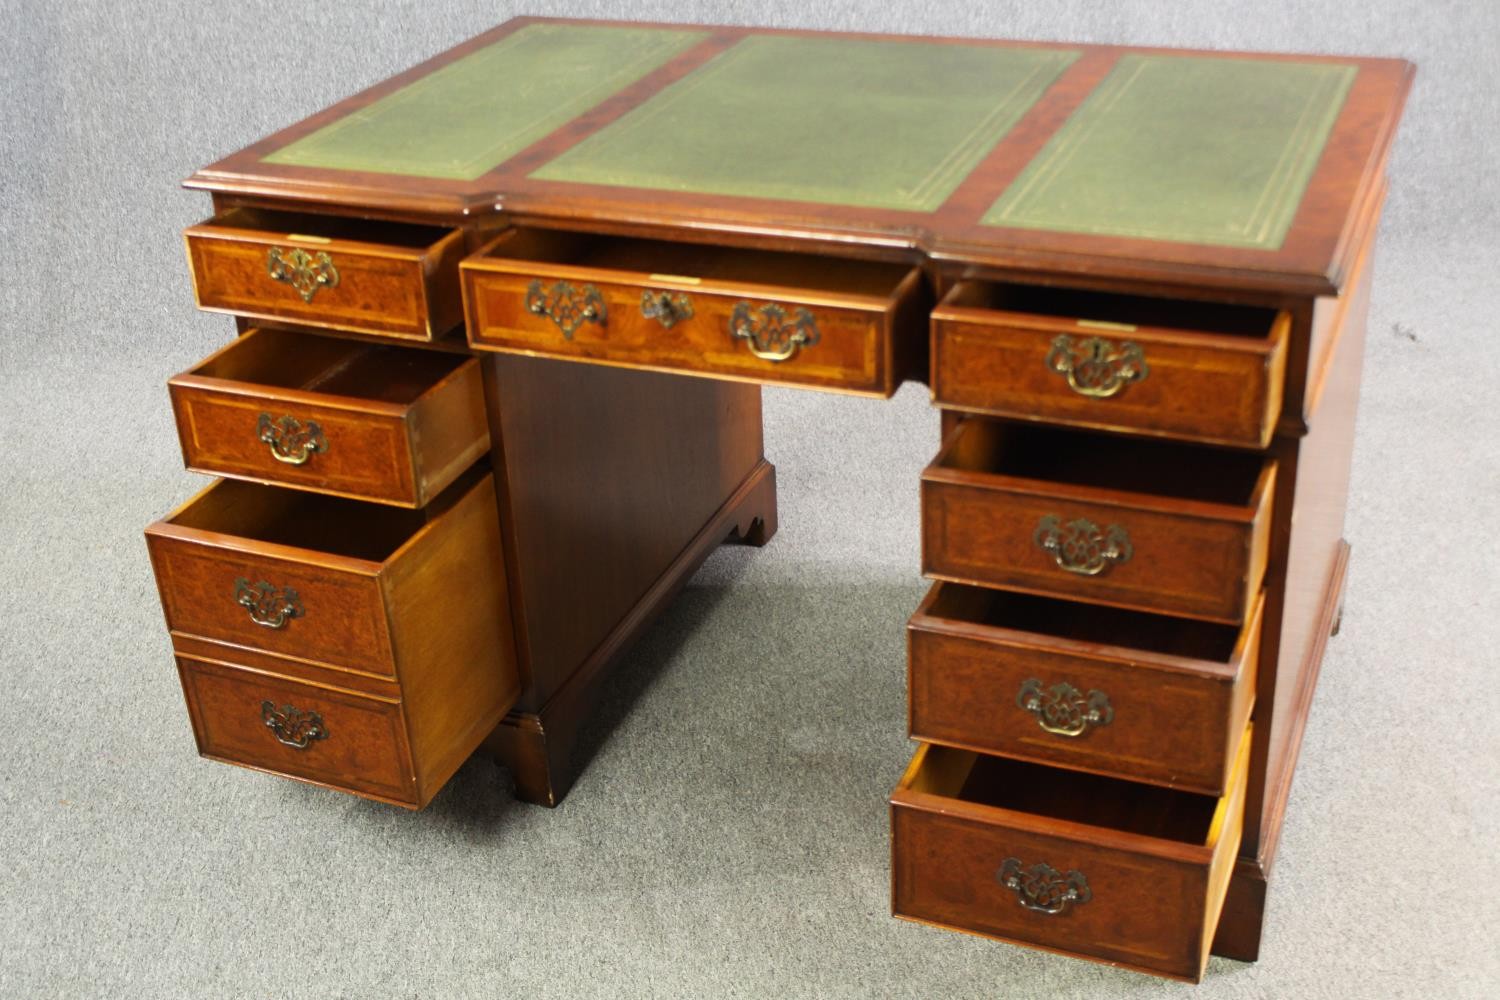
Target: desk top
x=1221, y=169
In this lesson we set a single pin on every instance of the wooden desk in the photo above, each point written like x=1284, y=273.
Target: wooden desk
x=463, y=469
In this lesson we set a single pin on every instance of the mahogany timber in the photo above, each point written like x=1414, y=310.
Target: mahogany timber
x=1156, y=862
x=1179, y=691
x=1214, y=373
x=1197, y=520
x=1312, y=260
x=614, y=486
x=397, y=425
x=394, y=280
x=1313, y=278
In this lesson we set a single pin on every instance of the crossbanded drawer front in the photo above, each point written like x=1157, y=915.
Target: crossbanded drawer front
x=1123, y=873
x=354, y=419
x=346, y=740
x=1120, y=693
x=1138, y=524
x=284, y=604
x=1189, y=370
x=379, y=278
x=753, y=315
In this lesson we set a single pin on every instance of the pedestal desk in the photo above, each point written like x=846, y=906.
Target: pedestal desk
x=503, y=323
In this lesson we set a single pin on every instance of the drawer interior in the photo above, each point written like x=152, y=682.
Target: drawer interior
x=1115, y=309
x=1108, y=626
x=1073, y=796
x=302, y=520
x=330, y=227
x=1078, y=458
x=284, y=359
x=837, y=275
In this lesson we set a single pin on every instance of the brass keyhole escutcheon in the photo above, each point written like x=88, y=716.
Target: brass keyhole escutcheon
x=666, y=308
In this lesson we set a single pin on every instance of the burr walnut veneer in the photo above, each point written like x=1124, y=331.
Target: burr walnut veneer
x=504, y=320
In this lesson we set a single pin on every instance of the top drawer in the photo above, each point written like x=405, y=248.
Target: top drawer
x=752, y=315
x=389, y=279
x=1191, y=370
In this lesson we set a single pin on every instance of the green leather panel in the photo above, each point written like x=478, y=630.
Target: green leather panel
x=1185, y=148
x=836, y=121
x=466, y=118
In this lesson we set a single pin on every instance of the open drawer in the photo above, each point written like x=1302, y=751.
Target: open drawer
x=753, y=315
x=1133, y=875
x=1121, y=693
x=376, y=422
x=1177, y=368
x=390, y=279
x=1149, y=525
x=393, y=626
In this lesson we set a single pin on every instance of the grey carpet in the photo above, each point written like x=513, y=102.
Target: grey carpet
x=730, y=837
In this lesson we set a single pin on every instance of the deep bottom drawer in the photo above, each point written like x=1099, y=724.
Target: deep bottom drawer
x=327, y=736
x=1133, y=875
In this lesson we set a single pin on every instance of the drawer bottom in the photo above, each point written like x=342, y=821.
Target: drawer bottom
x=1133, y=875
x=327, y=736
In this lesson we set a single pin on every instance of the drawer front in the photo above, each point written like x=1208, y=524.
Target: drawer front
x=282, y=605
x=401, y=292
x=794, y=340
x=349, y=741
x=1130, y=714
x=1093, y=892
x=1207, y=388
x=337, y=442
x=1161, y=560
x=333, y=450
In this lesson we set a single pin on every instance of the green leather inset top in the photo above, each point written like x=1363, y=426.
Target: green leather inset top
x=831, y=120
x=466, y=118
x=1185, y=148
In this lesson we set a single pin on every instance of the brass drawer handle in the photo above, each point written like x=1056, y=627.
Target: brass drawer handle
x=291, y=441
x=567, y=306
x=303, y=271
x=1043, y=888
x=665, y=308
x=270, y=607
x=291, y=726
x=771, y=336
x=1063, y=709
x=1080, y=546
x=1095, y=367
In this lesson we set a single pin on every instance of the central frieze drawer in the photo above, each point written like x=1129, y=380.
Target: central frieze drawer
x=1121, y=693
x=1148, y=525
x=1129, y=874
x=388, y=279
x=1175, y=368
x=754, y=315
x=390, y=424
